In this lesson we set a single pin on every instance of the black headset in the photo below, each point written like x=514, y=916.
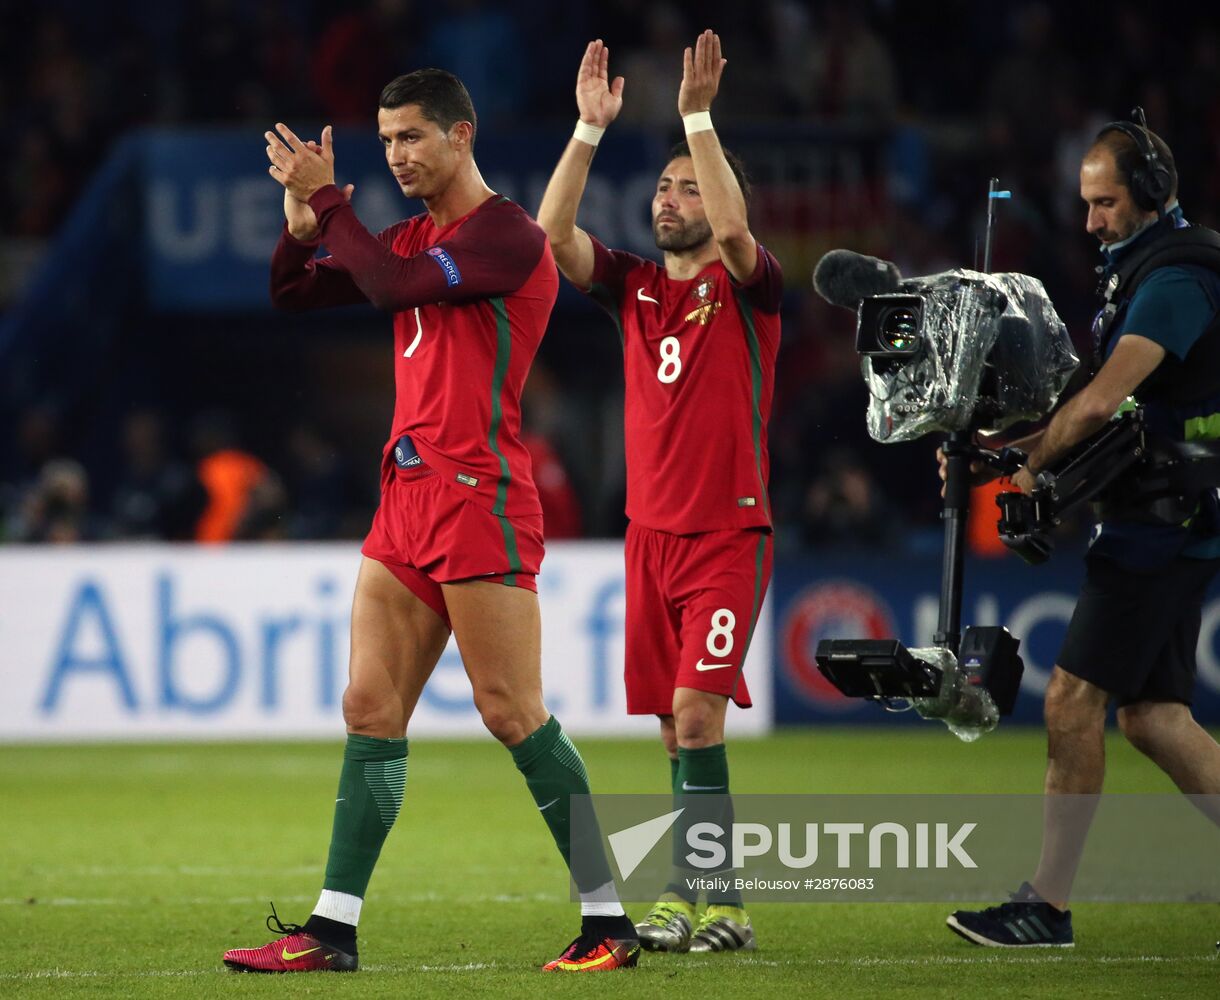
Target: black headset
x=1150, y=182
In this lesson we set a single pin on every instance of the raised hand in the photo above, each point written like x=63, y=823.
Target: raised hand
x=701, y=71
x=598, y=98
x=302, y=167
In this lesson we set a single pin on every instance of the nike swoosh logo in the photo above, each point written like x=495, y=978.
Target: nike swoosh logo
x=288, y=956
x=688, y=787
x=547, y=806
x=639, y=294
x=701, y=666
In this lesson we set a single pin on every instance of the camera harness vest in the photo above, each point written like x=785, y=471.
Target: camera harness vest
x=1181, y=469
x=1175, y=380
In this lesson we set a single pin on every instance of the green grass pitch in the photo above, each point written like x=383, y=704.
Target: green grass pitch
x=128, y=870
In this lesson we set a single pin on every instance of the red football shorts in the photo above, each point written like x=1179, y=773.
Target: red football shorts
x=427, y=533
x=692, y=603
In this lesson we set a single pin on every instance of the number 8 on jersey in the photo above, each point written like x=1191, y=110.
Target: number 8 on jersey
x=671, y=360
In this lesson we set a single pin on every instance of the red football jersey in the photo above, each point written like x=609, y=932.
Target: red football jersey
x=470, y=302
x=699, y=359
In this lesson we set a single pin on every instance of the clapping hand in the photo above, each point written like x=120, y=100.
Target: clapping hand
x=303, y=167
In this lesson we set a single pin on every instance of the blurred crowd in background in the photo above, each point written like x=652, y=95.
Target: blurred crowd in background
x=952, y=93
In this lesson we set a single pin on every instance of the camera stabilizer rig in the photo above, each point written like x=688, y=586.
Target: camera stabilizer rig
x=957, y=353
x=1128, y=472
x=967, y=680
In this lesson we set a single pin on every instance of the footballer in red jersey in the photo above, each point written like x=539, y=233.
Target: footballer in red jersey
x=700, y=334
x=457, y=539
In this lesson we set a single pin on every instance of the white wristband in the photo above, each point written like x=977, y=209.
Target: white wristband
x=697, y=121
x=592, y=134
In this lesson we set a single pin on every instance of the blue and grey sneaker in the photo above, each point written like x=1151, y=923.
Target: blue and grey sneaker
x=1025, y=921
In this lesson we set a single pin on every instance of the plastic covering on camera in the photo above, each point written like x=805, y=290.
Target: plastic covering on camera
x=962, y=703
x=962, y=350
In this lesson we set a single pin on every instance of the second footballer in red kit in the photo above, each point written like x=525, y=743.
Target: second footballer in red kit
x=700, y=334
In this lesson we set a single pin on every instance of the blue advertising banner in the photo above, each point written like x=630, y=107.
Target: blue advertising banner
x=212, y=215
x=874, y=596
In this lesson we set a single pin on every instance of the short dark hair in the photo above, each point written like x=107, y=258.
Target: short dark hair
x=441, y=96
x=739, y=170
x=1128, y=158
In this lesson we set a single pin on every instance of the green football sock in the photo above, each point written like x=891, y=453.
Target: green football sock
x=554, y=773
x=370, y=793
x=677, y=881
x=703, y=773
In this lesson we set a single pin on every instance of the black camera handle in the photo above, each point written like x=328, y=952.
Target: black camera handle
x=959, y=451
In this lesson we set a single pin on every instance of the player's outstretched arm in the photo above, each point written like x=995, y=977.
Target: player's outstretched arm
x=599, y=101
x=722, y=196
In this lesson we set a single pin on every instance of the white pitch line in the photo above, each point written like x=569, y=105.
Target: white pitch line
x=467, y=967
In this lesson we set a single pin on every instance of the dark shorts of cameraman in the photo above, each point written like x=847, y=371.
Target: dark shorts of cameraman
x=1134, y=634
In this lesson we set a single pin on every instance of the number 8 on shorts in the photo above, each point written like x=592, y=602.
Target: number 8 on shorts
x=720, y=636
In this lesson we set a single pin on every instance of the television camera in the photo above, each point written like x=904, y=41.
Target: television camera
x=964, y=352
x=955, y=353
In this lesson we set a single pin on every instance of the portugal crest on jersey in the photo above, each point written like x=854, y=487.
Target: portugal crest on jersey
x=706, y=309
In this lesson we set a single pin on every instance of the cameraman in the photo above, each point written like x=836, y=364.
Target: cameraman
x=1133, y=634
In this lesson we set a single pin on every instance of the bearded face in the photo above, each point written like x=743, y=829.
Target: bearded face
x=679, y=223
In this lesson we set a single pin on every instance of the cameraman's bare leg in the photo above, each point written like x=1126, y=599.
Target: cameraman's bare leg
x=1169, y=736
x=1075, y=771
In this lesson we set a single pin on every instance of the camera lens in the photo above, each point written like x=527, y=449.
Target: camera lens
x=900, y=329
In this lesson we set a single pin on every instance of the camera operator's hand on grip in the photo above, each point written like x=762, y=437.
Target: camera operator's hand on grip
x=1024, y=480
x=980, y=471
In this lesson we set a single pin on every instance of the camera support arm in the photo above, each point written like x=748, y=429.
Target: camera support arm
x=1080, y=476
